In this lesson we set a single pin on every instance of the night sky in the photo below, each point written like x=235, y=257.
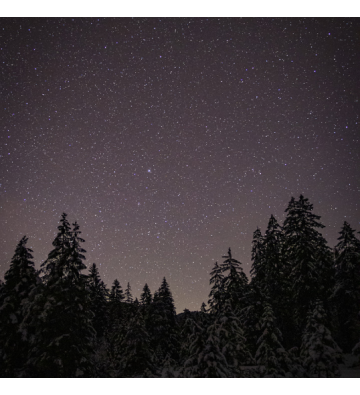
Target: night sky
x=170, y=140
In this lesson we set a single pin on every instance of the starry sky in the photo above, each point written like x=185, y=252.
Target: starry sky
x=170, y=140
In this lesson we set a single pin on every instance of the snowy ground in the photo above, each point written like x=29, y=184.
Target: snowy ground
x=347, y=370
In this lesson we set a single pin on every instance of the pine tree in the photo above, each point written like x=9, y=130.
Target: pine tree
x=161, y=324
x=146, y=297
x=137, y=355
x=277, y=286
x=250, y=316
x=257, y=272
x=319, y=351
x=128, y=295
x=116, y=293
x=188, y=332
x=63, y=343
x=216, y=296
x=347, y=291
x=98, y=300
x=206, y=358
x=235, y=282
x=271, y=356
x=117, y=321
x=233, y=342
x=309, y=257
x=20, y=280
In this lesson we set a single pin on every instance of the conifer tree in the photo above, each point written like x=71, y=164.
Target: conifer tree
x=189, y=330
x=146, y=297
x=233, y=342
x=98, y=300
x=277, y=272
x=319, y=352
x=128, y=295
x=235, y=281
x=206, y=358
x=161, y=323
x=250, y=316
x=137, y=356
x=117, y=322
x=116, y=293
x=63, y=343
x=20, y=280
x=347, y=290
x=216, y=296
x=257, y=272
x=308, y=255
x=271, y=356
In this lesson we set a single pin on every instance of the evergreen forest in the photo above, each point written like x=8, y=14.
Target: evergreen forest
x=296, y=316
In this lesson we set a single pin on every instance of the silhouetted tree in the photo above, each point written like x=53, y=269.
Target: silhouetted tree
x=319, y=352
x=347, y=290
x=98, y=300
x=63, y=343
x=146, y=297
x=20, y=280
x=128, y=295
x=308, y=255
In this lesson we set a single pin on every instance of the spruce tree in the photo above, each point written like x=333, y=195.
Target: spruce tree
x=161, y=324
x=20, y=280
x=235, y=281
x=116, y=293
x=347, y=290
x=146, y=297
x=216, y=296
x=257, y=272
x=98, y=300
x=233, y=342
x=117, y=321
x=271, y=356
x=128, y=295
x=319, y=352
x=277, y=272
x=309, y=257
x=206, y=357
x=63, y=343
x=137, y=356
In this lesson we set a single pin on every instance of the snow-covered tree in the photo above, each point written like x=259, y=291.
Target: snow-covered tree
x=319, y=352
x=232, y=341
x=62, y=345
x=20, y=280
x=347, y=290
x=309, y=257
x=137, y=356
x=206, y=358
x=272, y=358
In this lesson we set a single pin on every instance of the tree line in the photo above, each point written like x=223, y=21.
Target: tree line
x=295, y=317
